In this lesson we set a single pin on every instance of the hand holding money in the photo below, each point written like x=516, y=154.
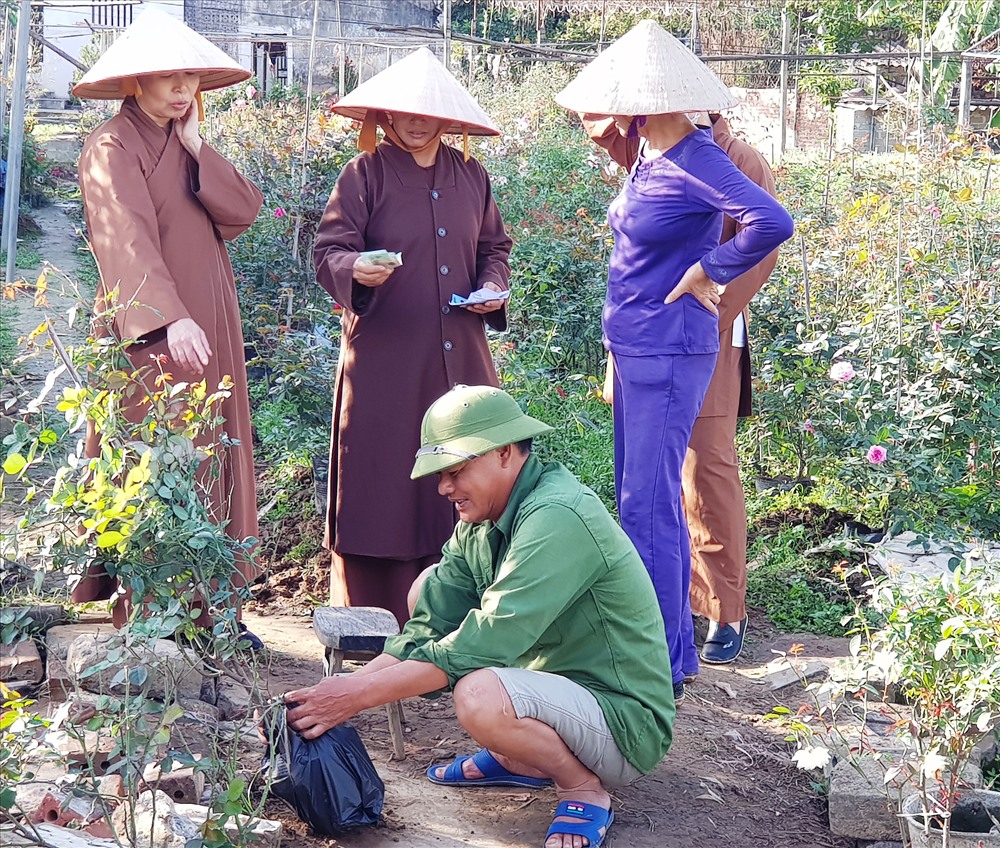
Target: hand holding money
x=373, y=267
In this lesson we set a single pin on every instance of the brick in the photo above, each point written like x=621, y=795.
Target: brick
x=97, y=752
x=183, y=785
x=61, y=808
x=21, y=661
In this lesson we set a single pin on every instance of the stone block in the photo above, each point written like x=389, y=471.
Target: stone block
x=183, y=785
x=155, y=822
x=38, y=618
x=56, y=837
x=57, y=642
x=58, y=639
x=244, y=830
x=863, y=806
x=21, y=661
x=168, y=669
x=200, y=712
x=785, y=672
x=234, y=700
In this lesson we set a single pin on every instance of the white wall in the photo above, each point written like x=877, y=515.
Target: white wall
x=65, y=25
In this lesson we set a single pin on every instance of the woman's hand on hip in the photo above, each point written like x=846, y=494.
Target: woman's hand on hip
x=188, y=345
x=489, y=305
x=187, y=132
x=696, y=282
x=369, y=274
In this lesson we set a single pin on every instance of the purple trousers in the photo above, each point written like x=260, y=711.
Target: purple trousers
x=656, y=402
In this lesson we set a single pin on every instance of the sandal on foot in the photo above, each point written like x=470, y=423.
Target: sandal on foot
x=494, y=774
x=597, y=819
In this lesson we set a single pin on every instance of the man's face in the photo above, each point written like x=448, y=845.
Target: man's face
x=478, y=488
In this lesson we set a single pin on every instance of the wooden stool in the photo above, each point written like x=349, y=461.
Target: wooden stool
x=359, y=633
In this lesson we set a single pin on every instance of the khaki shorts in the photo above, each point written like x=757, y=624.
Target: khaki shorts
x=574, y=713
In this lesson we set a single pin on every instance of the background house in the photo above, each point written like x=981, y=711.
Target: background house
x=269, y=37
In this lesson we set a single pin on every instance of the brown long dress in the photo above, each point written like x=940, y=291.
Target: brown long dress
x=403, y=347
x=156, y=221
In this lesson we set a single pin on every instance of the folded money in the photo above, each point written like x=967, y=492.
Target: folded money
x=482, y=295
x=385, y=258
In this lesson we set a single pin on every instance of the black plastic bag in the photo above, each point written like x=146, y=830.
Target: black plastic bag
x=331, y=781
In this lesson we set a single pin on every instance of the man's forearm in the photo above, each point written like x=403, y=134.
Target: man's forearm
x=402, y=679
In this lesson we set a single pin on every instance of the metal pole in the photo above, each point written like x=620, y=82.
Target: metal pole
x=446, y=26
x=4, y=61
x=694, y=28
x=305, y=131
x=965, y=95
x=341, y=85
x=786, y=43
x=16, y=147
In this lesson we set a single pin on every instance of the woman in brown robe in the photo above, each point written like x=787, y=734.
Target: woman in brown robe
x=158, y=203
x=403, y=344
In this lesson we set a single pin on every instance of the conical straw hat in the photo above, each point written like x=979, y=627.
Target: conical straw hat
x=421, y=85
x=646, y=72
x=157, y=44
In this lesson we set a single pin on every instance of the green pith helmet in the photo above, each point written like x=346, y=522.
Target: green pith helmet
x=468, y=422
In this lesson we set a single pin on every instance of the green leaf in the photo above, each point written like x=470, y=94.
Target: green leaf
x=137, y=676
x=8, y=797
x=14, y=464
x=48, y=437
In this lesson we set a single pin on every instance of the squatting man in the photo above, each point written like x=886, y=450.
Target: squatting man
x=540, y=618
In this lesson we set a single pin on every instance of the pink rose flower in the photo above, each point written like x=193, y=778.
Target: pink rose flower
x=807, y=425
x=251, y=92
x=279, y=212
x=877, y=454
x=842, y=372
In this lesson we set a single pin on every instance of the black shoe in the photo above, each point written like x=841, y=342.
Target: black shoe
x=723, y=644
x=247, y=639
x=678, y=691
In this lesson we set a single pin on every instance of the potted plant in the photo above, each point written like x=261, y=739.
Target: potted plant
x=931, y=665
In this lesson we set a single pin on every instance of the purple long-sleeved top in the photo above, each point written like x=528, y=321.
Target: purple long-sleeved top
x=667, y=217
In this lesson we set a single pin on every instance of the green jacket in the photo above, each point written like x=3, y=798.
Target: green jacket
x=555, y=585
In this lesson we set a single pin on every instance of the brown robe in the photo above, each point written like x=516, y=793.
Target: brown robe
x=156, y=221
x=714, y=503
x=403, y=346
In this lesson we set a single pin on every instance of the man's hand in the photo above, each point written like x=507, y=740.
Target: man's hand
x=369, y=274
x=186, y=129
x=696, y=282
x=188, y=345
x=489, y=305
x=608, y=389
x=330, y=702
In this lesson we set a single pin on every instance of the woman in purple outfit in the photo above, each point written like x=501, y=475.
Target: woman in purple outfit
x=660, y=317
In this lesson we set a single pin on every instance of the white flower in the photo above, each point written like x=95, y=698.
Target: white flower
x=932, y=764
x=807, y=759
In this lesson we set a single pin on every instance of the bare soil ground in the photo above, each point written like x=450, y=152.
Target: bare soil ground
x=727, y=780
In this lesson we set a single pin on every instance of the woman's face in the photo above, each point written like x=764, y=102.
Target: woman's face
x=416, y=130
x=167, y=97
x=623, y=122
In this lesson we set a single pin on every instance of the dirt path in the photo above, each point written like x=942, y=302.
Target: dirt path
x=59, y=246
x=727, y=780
x=56, y=299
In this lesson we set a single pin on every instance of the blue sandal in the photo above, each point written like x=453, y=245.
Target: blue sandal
x=494, y=774
x=597, y=818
